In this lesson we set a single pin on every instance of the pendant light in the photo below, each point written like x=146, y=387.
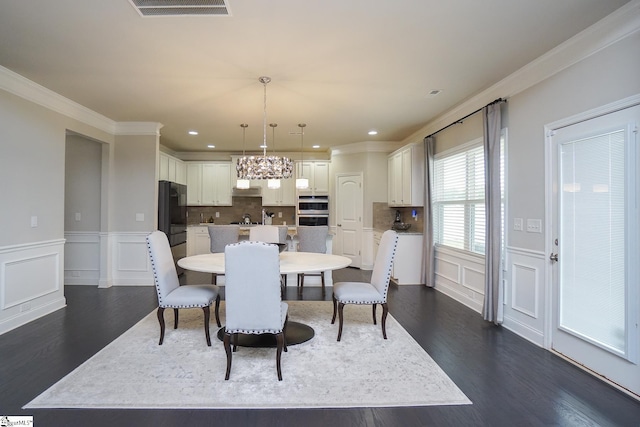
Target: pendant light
x=273, y=184
x=302, y=182
x=242, y=183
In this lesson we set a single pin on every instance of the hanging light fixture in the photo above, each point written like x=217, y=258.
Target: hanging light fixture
x=302, y=182
x=243, y=184
x=264, y=167
x=274, y=184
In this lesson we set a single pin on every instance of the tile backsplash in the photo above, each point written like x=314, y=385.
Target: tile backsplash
x=241, y=206
x=383, y=217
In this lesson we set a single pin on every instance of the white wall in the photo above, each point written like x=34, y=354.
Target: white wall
x=597, y=67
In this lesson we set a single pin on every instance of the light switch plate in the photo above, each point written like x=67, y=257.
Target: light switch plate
x=518, y=224
x=139, y=217
x=534, y=226
x=34, y=221
x=78, y=216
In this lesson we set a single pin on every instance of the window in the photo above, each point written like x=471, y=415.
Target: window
x=458, y=197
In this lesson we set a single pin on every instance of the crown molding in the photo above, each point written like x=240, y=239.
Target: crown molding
x=137, y=128
x=366, y=147
x=24, y=88
x=617, y=26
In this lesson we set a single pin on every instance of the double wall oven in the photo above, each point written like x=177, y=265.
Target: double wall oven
x=313, y=210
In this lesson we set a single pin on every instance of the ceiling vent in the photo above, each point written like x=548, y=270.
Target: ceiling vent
x=181, y=7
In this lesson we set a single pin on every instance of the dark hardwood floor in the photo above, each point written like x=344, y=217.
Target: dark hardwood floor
x=510, y=381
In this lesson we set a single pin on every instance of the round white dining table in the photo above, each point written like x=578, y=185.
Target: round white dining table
x=290, y=263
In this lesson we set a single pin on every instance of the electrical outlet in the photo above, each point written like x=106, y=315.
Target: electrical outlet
x=78, y=216
x=139, y=217
x=217, y=214
x=518, y=224
x=534, y=226
x=279, y=214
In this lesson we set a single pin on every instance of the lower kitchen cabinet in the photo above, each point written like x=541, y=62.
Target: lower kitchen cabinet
x=407, y=266
x=198, y=241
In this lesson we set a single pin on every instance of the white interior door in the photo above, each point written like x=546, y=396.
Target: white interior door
x=594, y=234
x=349, y=218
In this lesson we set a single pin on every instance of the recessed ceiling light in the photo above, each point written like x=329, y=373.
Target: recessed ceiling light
x=373, y=132
x=211, y=146
x=433, y=93
x=193, y=132
x=315, y=146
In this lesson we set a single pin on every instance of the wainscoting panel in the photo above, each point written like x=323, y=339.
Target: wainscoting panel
x=31, y=282
x=461, y=276
x=524, y=293
x=131, y=260
x=82, y=258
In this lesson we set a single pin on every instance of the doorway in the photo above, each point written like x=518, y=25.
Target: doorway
x=593, y=243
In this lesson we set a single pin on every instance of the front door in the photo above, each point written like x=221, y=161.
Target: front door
x=594, y=245
x=349, y=218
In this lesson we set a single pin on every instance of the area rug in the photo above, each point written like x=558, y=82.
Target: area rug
x=363, y=370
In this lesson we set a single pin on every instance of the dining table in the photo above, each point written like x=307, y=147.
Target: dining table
x=290, y=263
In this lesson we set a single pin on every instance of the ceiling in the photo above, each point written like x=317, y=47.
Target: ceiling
x=341, y=67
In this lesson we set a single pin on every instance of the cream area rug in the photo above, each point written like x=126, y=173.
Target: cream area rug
x=363, y=370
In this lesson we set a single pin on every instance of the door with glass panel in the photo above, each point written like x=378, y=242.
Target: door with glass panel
x=595, y=257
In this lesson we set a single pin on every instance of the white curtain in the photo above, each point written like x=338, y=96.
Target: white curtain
x=492, y=309
x=428, y=263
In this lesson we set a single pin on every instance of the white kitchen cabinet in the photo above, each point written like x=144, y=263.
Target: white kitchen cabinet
x=283, y=196
x=317, y=172
x=407, y=265
x=209, y=183
x=171, y=169
x=198, y=241
x=406, y=176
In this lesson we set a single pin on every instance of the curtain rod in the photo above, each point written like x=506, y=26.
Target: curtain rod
x=468, y=115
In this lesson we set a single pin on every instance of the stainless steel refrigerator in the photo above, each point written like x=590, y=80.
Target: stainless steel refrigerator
x=172, y=217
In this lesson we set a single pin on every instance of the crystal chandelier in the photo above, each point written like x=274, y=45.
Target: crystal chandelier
x=264, y=167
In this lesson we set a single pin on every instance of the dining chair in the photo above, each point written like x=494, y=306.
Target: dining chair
x=221, y=236
x=270, y=234
x=312, y=239
x=252, y=294
x=372, y=293
x=170, y=293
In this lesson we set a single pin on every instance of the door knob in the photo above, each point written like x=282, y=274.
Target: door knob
x=553, y=257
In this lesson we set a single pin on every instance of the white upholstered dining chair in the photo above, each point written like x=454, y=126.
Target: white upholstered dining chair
x=221, y=236
x=252, y=296
x=170, y=293
x=372, y=293
x=312, y=239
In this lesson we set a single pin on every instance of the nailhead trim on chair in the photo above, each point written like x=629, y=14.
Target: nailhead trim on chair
x=263, y=331
x=386, y=290
x=155, y=281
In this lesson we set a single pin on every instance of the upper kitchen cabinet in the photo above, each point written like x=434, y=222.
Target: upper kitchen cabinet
x=171, y=169
x=209, y=183
x=318, y=175
x=283, y=196
x=406, y=176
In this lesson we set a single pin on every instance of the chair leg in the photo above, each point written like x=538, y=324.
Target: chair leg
x=385, y=310
x=235, y=342
x=322, y=280
x=374, y=313
x=335, y=309
x=214, y=279
x=279, y=344
x=175, y=318
x=207, y=317
x=161, y=320
x=227, y=349
x=217, y=311
x=300, y=283
x=284, y=332
x=340, y=308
